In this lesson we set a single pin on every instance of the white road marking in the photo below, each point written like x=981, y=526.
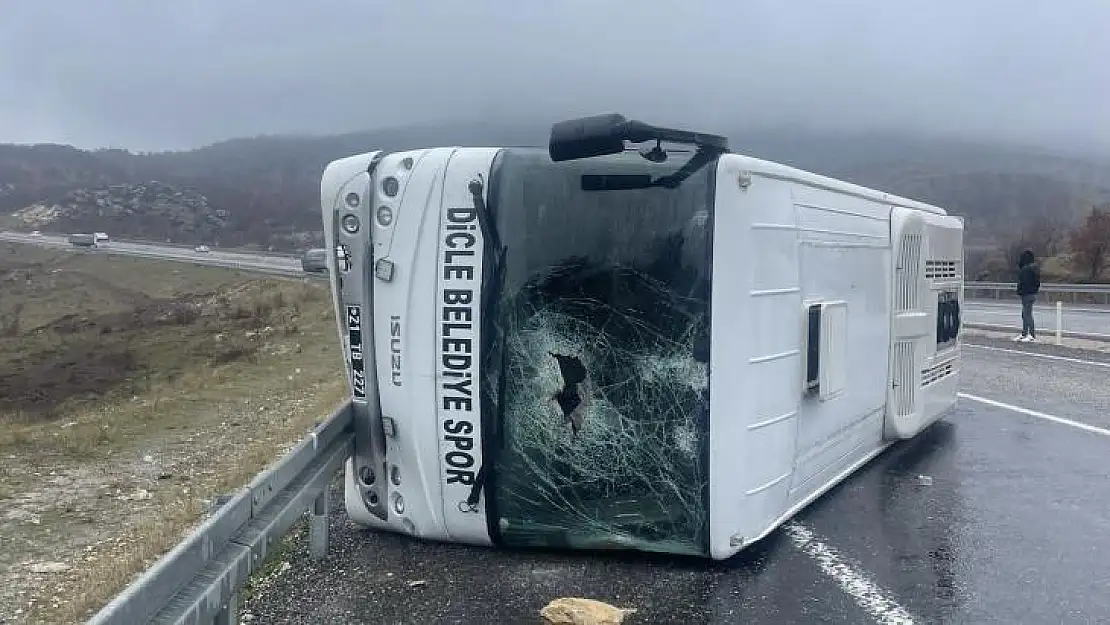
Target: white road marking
x=872, y=599
x=1034, y=413
x=1077, y=361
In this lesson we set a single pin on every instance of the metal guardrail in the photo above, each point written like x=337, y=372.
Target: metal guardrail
x=223, y=263
x=1094, y=293
x=198, y=580
x=1047, y=287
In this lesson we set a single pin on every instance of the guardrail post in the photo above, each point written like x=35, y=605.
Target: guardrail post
x=229, y=615
x=1059, y=322
x=318, y=527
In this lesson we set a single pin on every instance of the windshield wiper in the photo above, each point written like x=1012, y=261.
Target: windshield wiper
x=626, y=182
x=491, y=292
x=485, y=220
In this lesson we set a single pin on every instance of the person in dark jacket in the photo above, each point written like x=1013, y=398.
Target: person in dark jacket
x=1028, y=285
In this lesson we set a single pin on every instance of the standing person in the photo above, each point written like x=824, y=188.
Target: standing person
x=1028, y=285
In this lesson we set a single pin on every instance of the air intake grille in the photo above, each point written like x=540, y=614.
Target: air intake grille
x=941, y=269
x=905, y=386
x=906, y=293
x=935, y=374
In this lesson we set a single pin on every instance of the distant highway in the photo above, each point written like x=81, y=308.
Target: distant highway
x=1087, y=319
x=261, y=263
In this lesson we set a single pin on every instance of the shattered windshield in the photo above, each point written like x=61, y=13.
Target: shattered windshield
x=596, y=356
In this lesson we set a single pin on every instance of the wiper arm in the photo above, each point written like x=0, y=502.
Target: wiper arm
x=625, y=182
x=700, y=159
x=489, y=296
x=485, y=221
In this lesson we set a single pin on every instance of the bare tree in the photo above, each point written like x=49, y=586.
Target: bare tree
x=1048, y=233
x=1044, y=234
x=1090, y=243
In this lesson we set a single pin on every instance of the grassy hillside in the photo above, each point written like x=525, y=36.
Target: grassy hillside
x=132, y=393
x=263, y=191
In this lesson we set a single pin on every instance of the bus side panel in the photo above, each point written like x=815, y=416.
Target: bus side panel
x=844, y=256
x=755, y=357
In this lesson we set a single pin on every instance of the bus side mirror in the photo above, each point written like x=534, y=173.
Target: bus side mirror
x=586, y=137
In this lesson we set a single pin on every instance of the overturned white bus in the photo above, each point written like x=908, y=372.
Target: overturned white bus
x=672, y=348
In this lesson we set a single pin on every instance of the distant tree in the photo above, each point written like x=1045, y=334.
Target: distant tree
x=1090, y=243
x=985, y=265
x=1043, y=234
x=1048, y=233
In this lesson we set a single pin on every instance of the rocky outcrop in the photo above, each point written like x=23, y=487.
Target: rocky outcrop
x=152, y=209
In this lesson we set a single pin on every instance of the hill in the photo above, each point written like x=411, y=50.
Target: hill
x=263, y=191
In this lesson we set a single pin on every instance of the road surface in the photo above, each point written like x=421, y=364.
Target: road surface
x=994, y=515
x=1000, y=513
x=1086, y=318
x=261, y=263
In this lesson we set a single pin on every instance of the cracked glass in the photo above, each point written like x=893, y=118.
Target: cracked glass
x=596, y=356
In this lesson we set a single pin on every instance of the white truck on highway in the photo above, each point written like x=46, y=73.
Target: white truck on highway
x=83, y=240
x=315, y=260
x=673, y=348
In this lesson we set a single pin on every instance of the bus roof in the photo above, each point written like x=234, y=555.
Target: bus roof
x=771, y=169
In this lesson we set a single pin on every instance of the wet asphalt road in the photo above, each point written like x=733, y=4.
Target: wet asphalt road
x=991, y=516
x=1087, y=318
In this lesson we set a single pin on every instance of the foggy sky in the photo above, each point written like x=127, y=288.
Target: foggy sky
x=147, y=74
